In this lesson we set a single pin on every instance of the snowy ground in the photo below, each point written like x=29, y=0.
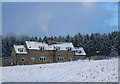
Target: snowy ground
x=76, y=71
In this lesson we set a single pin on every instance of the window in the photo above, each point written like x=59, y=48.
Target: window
x=32, y=59
x=79, y=51
x=20, y=49
x=42, y=59
x=57, y=48
x=5, y=58
x=69, y=48
x=41, y=48
x=23, y=59
x=60, y=58
x=70, y=59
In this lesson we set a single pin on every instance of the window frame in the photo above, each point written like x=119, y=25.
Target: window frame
x=23, y=59
x=21, y=49
x=69, y=48
x=41, y=48
x=60, y=59
x=42, y=59
x=57, y=48
x=32, y=59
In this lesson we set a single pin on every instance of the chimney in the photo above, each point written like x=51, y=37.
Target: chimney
x=49, y=41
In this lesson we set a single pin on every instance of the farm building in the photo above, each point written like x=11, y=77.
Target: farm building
x=40, y=53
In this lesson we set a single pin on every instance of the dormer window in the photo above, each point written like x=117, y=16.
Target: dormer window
x=20, y=49
x=69, y=48
x=57, y=48
x=41, y=48
x=78, y=51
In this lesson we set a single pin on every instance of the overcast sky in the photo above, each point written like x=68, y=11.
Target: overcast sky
x=54, y=19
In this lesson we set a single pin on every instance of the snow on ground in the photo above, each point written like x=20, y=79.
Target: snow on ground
x=75, y=71
x=0, y=75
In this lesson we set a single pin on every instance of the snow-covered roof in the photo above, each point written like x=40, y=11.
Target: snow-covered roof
x=64, y=45
x=37, y=45
x=20, y=49
x=79, y=51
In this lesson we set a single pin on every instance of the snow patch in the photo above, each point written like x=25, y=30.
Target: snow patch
x=74, y=71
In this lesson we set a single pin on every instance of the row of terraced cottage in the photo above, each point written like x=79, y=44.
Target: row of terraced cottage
x=40, y=52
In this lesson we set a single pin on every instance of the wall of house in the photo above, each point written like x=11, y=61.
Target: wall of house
x=63, y=56
x=76, y=57
x=39, y=55
x=22, y=59
x=5, y=62
x=18, y=58
x=60, y=56
x=13, y=55
x=70, y=56
x=49, y=56
x=99, y=57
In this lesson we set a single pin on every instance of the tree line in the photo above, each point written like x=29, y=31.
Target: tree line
x=95, y=44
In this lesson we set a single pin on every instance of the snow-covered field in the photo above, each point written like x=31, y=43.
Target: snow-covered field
x=75, y=71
